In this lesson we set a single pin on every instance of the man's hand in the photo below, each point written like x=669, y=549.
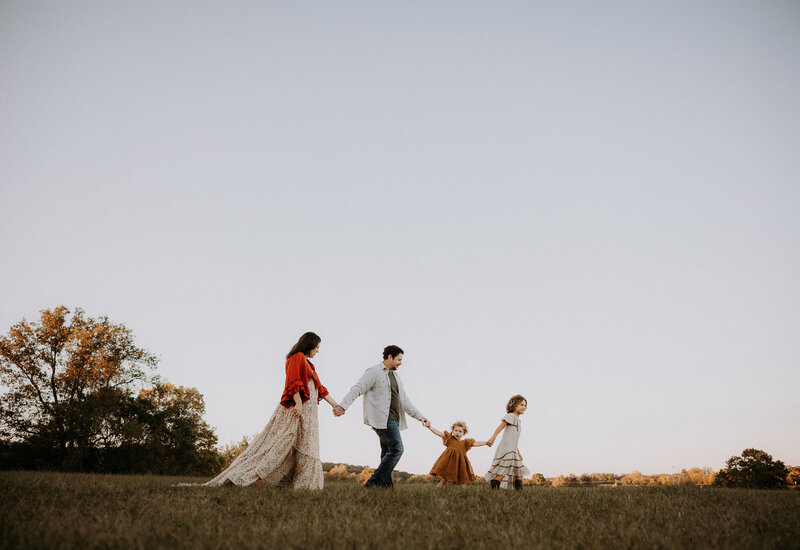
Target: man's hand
x=426, y=422
x=338, y=410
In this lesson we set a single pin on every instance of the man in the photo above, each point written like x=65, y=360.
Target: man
x=385, y=408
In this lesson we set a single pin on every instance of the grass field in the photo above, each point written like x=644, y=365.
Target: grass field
x=49, y=510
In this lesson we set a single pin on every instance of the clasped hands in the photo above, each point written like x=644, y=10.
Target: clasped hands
x=338, y=410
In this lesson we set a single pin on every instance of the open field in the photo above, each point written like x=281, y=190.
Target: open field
x=50, y=510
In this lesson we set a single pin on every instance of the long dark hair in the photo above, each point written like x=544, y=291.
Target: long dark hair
x=306, y=343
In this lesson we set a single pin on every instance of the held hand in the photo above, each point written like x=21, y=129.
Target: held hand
x=490, y=442
x=338, y=410
x=426, y=422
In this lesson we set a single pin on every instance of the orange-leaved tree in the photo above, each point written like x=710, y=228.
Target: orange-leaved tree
x=62, y=373
x=70, y=398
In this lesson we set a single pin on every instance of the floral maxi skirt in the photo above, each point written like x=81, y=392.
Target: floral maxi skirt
x=285, y=453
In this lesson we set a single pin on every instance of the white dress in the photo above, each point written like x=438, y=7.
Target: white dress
x=286, y=452
x=506, y=461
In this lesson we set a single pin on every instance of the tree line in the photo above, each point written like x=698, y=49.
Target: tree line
x=79, y=395
x=754, y=469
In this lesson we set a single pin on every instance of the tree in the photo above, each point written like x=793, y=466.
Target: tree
x=755, y=469
x=793, y=477
x=633, y=478
x=340, y=473
x=175, y=432
x=63, y=375
x=538, y=479
x=230, y=451
x=70, y=402
x=560, y=481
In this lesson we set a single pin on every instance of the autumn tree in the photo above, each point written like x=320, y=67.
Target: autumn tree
x=230, y=451
x=176, y=434
x=365, y=474
x=793, y=477
x=633, y=478
x=754, y=469
x=64, y=376
x=560, y=481
x=340, y=473
x=70, y=401
x=538, y=479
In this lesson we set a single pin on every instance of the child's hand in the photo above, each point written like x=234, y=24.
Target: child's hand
x=490, y=442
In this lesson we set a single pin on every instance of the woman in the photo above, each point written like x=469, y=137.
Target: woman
x=287, y=451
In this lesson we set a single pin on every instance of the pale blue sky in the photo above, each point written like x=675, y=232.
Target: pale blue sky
x=596, y=205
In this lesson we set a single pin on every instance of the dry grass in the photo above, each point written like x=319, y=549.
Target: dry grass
x=49, y=510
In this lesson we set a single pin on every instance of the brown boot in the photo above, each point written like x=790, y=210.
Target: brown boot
x=495, y=484
x=518, y=484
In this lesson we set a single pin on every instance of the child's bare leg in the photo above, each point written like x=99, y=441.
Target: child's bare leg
x=499, y=478
x=441, y=484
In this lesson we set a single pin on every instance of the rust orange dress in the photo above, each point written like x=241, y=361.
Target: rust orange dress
x=454, y=465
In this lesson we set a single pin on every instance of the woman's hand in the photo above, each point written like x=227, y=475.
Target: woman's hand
x=298, y=405
x=490, y=442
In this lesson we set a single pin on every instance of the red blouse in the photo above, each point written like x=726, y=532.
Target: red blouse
x=299, y=371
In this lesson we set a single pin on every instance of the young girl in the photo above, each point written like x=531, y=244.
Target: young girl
x=507, y=462
x=453, y=465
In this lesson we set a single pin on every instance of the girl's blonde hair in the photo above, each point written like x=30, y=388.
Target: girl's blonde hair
x=459, y=423
x=513, y=402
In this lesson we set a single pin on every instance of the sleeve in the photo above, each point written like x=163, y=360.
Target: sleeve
x=366, y=382
x=510, y=419
x=468, y=443
x=295, y=371
x=446, y=438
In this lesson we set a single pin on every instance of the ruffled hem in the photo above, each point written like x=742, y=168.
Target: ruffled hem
x=287, y=400
x=454, y=466
x=285, y=453
x=515, y=470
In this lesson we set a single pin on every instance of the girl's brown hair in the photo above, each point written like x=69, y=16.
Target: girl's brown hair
x=305, y=344
x=459, y=423
x=513, y=402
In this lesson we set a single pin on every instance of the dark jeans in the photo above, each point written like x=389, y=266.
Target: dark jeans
x=391, y=451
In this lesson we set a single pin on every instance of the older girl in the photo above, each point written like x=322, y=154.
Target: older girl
x=507, y=463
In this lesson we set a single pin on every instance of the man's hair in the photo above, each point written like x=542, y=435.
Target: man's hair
x=513, y=402
x=391, y=351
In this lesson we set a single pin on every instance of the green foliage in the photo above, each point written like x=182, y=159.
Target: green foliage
x=45, y=510
x=229, y=452
x=70, y=402
x=755, y=469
